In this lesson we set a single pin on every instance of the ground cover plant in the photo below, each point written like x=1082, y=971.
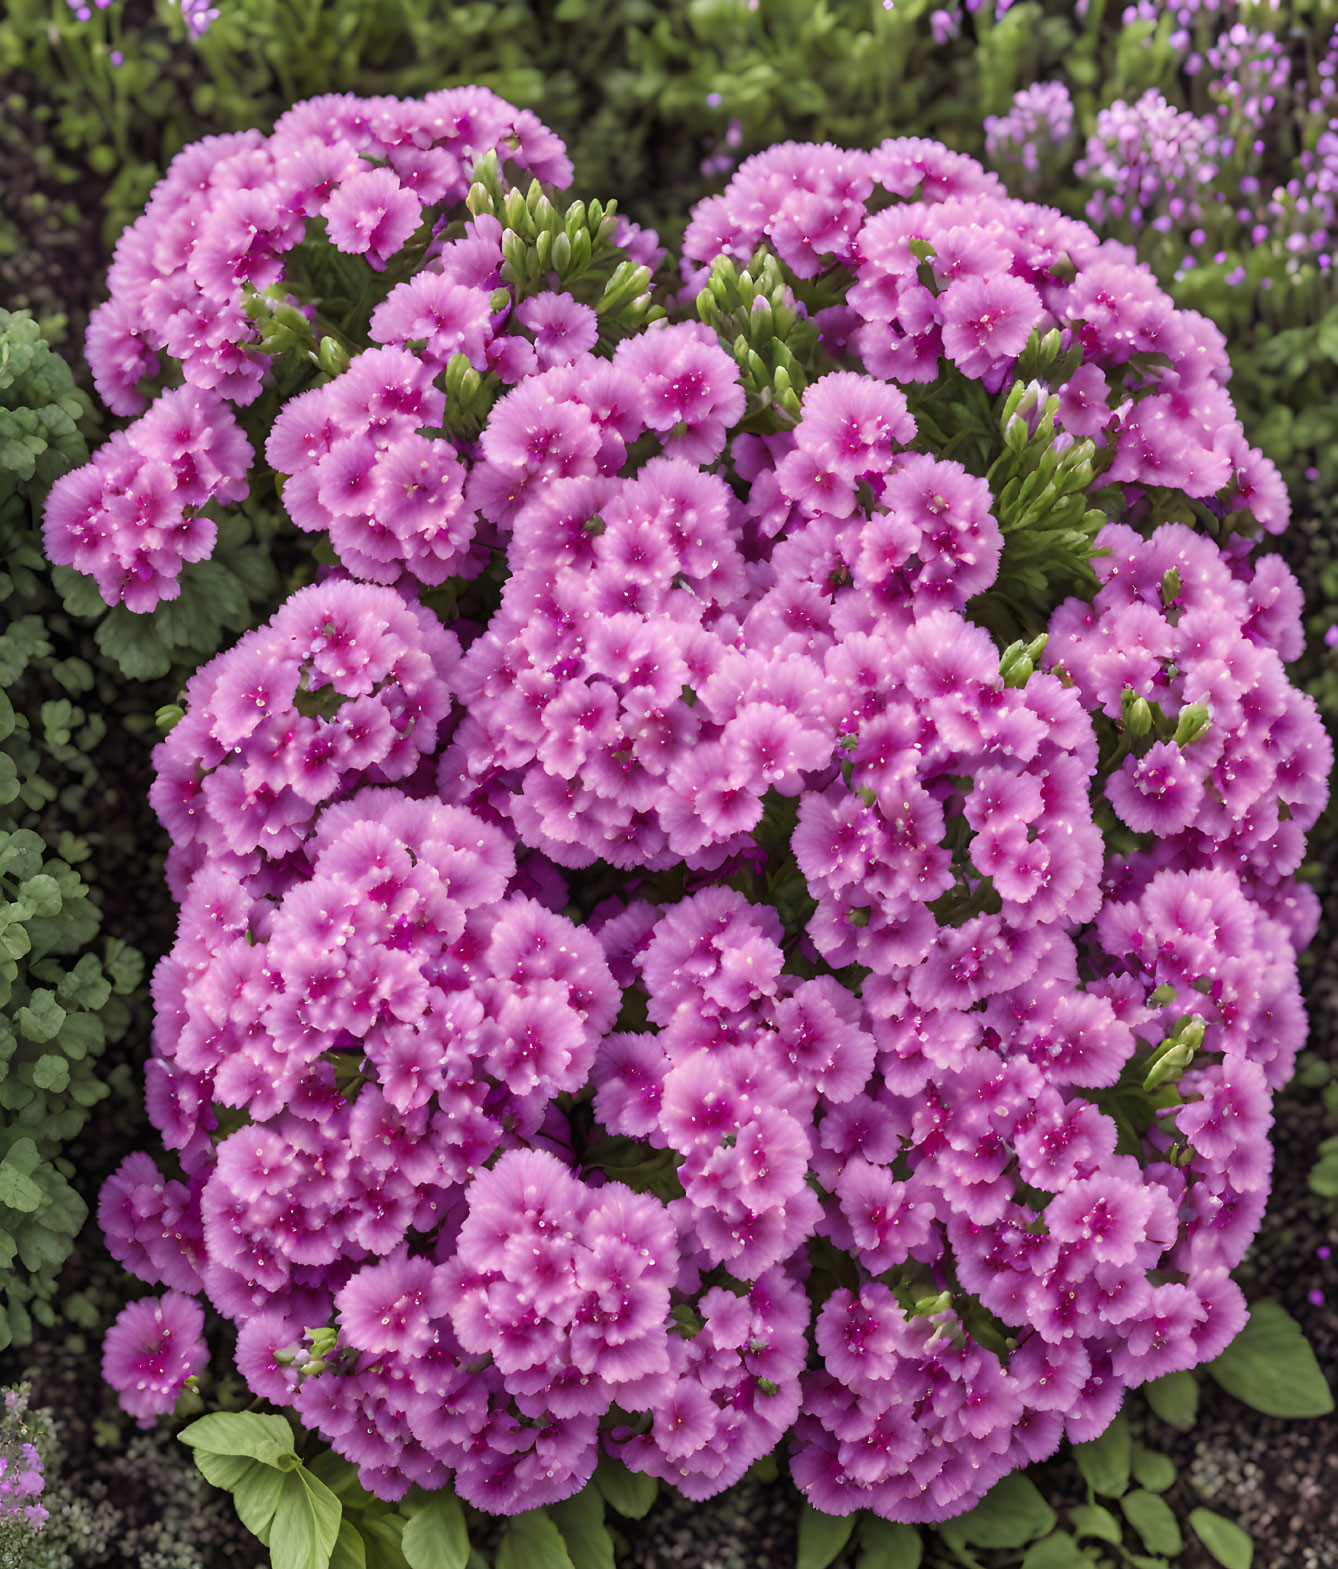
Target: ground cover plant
x=459, y=419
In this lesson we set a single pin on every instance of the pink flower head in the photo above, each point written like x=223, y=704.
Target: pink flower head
x=154, y=1346
x=986, y=320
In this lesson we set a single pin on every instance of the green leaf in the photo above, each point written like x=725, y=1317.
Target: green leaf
x=350, y=1550
x=1105, y=1461
x=1152, y=1518
x=341, y=1478
x=884, y=1545
x=17, y=1189
x=1153, y=1471
x=629, y=1492
x=1011, y=1514
x=435, y=1537
x=821, y=1537
x=1059, y=1551
x=306, y=1523
x=42, y=1018
x=581, y=1521
x=223, y=1471
x=51, y=1072
x=383, y=1536
x=1175, y=1399
x=256, y=1495
x=532, y=1541
x=268, y=1439
x=1270, y=1366
x=1093, y=1520
x=1225, y=1540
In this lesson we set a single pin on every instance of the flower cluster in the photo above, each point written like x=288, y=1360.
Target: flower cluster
x=134, y=515
x=957, y=271
x=242, y=247
x=895, y=1074
x=1030, y=143
x=1249, y=173
x=1151, y=164
x=22, y=1473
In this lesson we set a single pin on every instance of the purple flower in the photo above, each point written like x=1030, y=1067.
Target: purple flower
x=154, y=1346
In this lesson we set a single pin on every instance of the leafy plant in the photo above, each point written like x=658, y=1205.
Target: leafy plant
x=62, y=991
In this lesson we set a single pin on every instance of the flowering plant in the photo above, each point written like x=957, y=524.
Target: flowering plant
x=22, y=1479
x=757, y=899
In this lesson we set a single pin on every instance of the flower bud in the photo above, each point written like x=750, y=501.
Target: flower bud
x=1193, y=721
x=1136, y=713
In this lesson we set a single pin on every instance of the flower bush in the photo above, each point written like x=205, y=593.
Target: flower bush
x=658, y=969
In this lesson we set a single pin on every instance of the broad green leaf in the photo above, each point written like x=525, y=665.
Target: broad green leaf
x=341, y=1478
x=1270, y=1366
x=1154, y=1521
x=1153, y=1471
x=532, y=1541
x=1229, y=1544
x=1011, y=1514
x=1105, y=1461
x=224, y=1471
x=884, y=1545
x=256, y=1495
x=821, y=1537
x=581, y=1521
x=1175, y=1399
x=306, y=1523
x=18, y=1191
x=268, y=1439
x=629, y=1492
x=383, y=1535
x=435, y=1537
x=1093, y=1520
x=350, y=1551
x=1059, y=1551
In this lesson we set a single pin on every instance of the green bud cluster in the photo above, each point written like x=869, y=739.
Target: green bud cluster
x=573, y=250
x=774, y=347
x=1019, y=660
x=1143, y=724
x=1041, y=501
x=1174, y=1054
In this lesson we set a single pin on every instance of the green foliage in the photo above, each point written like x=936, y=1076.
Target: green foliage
x=1175, y=1399
x=581, y=1522
x=883, y=1545
x=631, y=1493
x=1132, y=1518
x=1224, y=1539
x=436, y=1537
x=532, y=1541
x=1271, y=1367
x=1011, y=1514
x=1105, y=1461
x=62, y=991
x=313, y=1513
x=821, y=1537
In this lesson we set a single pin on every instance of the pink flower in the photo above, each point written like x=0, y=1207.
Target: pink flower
x=154, y=1346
